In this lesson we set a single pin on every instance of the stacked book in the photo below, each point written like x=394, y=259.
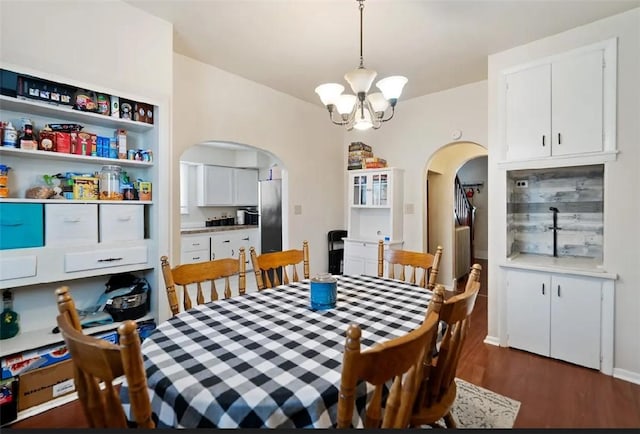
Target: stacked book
x=358, y=151
x=361, y=157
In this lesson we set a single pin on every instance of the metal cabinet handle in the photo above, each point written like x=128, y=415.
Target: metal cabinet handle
x=543, y=289
x=558, y=290
x=246, y=239
x=559, y=139
x=109, y=259
x=226, y=241
x=543, y=143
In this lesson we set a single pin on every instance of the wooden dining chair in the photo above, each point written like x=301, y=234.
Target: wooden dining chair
x=268, y=265
x=200, y=273
x=438, y=389
x=428, y=263
x=97, y=361
x=398, y=360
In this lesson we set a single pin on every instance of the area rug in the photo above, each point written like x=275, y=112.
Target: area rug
x=476, y=407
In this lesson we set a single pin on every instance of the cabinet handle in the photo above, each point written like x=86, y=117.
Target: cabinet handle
x=559, y=139
x=246, y=239
x=543, y=143
x=194, y=258
x=227, y=241
x=109, y=259
x=195, y=244
x=543, y=289
x=558, y=290
x=233, y=252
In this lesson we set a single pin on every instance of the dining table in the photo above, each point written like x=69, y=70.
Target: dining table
x=268, y=360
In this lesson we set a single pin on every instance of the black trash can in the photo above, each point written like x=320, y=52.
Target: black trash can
x=336, y=251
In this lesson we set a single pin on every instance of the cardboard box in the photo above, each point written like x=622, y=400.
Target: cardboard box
x=85, y=188
x=18, y=364
x=143, y=113
x=45, y=384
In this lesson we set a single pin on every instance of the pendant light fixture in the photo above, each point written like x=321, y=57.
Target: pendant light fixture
x=363, y=110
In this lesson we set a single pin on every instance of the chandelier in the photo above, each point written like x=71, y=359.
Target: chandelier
x=363, y=110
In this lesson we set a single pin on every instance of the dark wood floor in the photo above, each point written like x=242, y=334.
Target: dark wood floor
x=553, y=394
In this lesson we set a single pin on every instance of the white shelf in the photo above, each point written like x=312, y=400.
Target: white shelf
x=34, y=339
x=66, y=112
x=47, y=155
x=71, y=201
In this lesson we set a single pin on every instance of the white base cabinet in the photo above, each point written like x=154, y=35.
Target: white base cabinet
x=361, y=257
x=561, y=316
x=217, y=245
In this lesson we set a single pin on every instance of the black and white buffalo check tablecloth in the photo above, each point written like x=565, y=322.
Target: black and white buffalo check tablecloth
x=266, y=359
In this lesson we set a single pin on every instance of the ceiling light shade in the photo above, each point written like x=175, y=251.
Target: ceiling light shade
x=360, y=79
x=363, y=120
x=391, y=87
x=329, y=92
x=362, y=111
x=378, y=102
x=345, y=103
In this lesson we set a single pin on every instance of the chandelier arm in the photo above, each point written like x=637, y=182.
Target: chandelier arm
x=331, y=110
x=393, y=111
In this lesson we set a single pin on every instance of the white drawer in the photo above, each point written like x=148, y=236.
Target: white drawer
x=16, y=268
x=105, y=258
x=194, y=256
x=70, y=224
x=194, y=243
x=361, y=249
x=121, y=222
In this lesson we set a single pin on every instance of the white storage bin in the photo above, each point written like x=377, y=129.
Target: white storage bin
x=70, y=224
x=121, y=222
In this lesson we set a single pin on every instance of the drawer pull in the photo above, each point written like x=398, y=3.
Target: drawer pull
x=246, y=239
x=11, y=224
x=71, y=219
x=195, y=244
x=124, y=218
x=195, y=257
x=109, y=259
x=226, y=241
x=543, y=289
x=543, y=144
x=558, y=290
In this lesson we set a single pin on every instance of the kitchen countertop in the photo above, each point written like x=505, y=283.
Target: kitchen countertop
x=562, y=264
x=208, y=229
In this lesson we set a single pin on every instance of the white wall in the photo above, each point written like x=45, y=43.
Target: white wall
x=420, y=127
x=622, y=179
x=213, y=105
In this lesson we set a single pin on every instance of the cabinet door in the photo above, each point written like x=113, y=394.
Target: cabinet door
x=222, y=245
x=528, y=117
x=359, y=190
x=528, y=295
x=380, y=189
x=577, y=104
x=215, y=185
x=245, y=191
x=244, y=239
x=353, y=264
x=575, y=320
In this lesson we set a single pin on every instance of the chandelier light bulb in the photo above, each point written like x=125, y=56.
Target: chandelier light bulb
x=360, y=79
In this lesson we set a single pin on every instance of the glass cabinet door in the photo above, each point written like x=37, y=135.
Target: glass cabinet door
x=359, y=190
x=383, y=190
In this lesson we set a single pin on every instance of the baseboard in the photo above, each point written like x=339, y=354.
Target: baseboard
x=481, y=254
x=492, y=340
x=630, y=376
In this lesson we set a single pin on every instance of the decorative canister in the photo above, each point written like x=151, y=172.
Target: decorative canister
x=324, y=292
x=110, y=183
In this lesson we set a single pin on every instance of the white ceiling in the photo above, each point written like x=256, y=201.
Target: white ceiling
x=295, y=45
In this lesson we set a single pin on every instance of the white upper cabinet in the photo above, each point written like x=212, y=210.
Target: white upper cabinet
x=245, y=185
x=215, y=185
x=221, y=186
x=561, y=106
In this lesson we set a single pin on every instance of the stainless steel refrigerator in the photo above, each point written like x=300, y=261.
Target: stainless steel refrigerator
x=270, y=216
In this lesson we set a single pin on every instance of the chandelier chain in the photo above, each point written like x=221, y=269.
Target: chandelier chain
x=361, y=7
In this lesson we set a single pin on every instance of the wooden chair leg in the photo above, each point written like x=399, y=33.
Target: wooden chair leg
x=449, y=420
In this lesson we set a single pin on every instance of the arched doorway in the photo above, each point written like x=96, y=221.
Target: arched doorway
x=440, y=224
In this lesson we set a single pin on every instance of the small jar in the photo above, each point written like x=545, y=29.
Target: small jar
x=323, y=292
x=110, y=183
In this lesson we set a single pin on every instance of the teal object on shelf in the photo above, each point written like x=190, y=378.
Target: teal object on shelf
x=324, y=292
x=21, y=225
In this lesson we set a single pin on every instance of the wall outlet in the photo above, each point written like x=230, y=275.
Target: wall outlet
x=522, y=183
x=409, y=208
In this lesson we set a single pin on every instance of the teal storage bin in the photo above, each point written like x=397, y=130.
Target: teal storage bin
x=21, y=225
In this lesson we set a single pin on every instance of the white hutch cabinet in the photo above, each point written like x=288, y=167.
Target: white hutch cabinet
x=375, y=210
